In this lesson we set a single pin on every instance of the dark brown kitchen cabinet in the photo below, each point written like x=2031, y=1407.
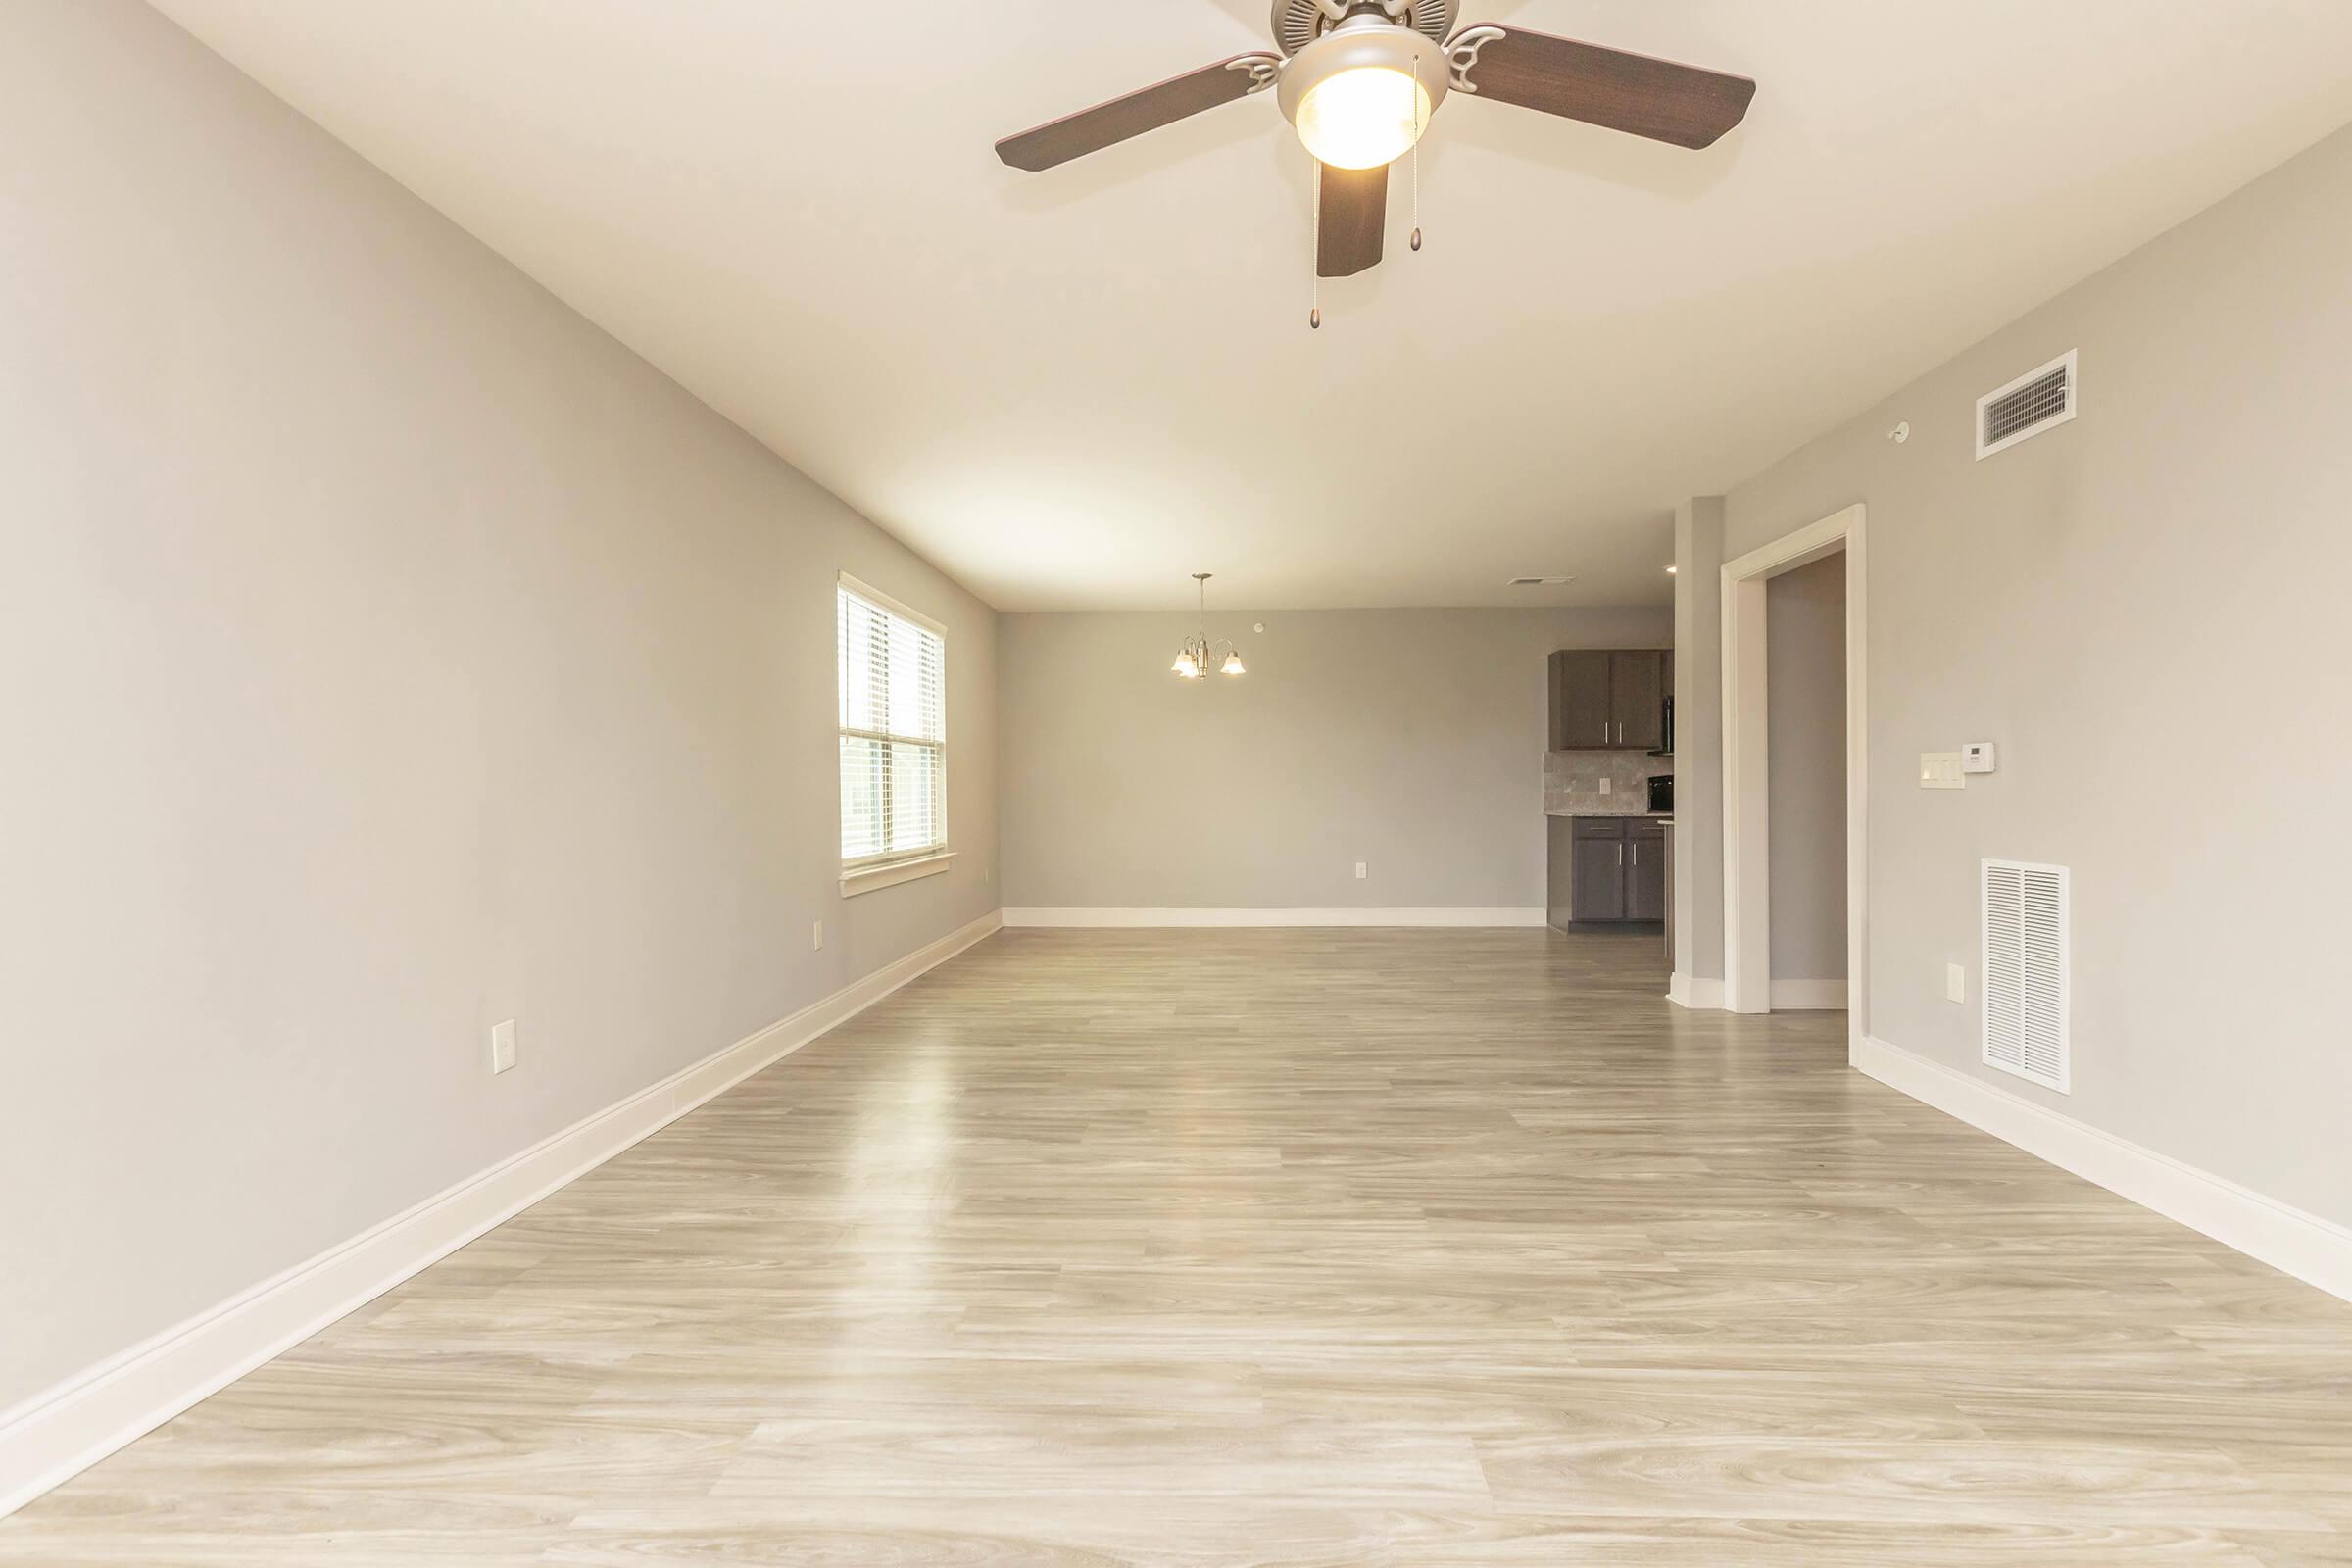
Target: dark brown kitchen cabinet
x=1637, y=698
x=1597, y=886
x=1606, y=870
x=1581, y=717
x=1609, y=698
x=1645, y=870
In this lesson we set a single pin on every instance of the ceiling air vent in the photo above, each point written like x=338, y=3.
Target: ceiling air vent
x=2037, y=401
x=2025, y=972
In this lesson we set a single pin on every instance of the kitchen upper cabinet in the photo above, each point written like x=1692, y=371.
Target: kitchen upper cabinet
x=1638, y=699
x=1609, y=698
x=1581, y=716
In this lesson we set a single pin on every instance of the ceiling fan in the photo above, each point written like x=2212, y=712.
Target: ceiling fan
x=1359, y=79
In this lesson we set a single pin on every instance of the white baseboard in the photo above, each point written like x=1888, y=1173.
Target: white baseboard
x=2313, y=1250
x=1162, y=918
x=1695, y=991
x=55, y=1435
x=1808, y=996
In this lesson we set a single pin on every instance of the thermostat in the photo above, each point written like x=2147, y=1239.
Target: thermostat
x=1977, y=757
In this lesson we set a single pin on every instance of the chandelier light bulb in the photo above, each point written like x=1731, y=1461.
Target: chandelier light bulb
x=1233, y=665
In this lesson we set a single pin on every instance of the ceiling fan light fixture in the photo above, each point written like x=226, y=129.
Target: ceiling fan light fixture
x=1361, y=95
x=1365, y=117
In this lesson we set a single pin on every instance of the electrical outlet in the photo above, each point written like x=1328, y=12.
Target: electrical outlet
x=1359, y=871
x=818, y=941
x=501, y=1046
x=1604, y=786
x=1940, y=770
x=1955, y=982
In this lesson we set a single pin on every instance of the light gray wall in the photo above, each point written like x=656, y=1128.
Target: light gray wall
x=1410, y=740
x=1805, y=712
x=2121, y=605
x=384, y=651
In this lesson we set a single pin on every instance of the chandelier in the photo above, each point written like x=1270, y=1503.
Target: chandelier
x=1192, y=659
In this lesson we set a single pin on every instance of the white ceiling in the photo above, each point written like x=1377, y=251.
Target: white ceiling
x=1071, y=389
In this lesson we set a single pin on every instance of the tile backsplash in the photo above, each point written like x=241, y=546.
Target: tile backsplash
x=1572, y=782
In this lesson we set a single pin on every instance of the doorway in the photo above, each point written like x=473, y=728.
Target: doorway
x=1748, y=795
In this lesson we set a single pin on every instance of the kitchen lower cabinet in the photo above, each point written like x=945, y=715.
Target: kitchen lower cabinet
x=1597, y=887
x=1606, y=870
x=1645, y=870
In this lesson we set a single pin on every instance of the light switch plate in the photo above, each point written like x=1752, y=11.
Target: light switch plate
x=1940, y=770
x=817, y=938
x=1359, y=871
x=1955, y=982
x=501, y=1046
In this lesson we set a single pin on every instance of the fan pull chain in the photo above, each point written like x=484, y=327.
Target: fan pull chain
x=1416, y=196
x=1417, y=158
x=1314, y=314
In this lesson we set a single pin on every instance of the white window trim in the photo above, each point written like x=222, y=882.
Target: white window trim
x=875, y=873
x=875, y=596
x=890, y=873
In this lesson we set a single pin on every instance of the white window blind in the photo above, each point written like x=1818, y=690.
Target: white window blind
x=894, y=735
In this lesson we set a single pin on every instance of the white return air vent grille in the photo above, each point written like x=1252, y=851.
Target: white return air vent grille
x=2037, y=401
x=2025, y=972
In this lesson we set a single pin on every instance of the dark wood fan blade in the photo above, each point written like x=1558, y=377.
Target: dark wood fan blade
x=1633, y=93
x=1355, y=219
x=1089, y=130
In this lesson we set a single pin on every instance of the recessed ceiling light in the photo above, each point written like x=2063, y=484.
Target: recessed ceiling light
x=1538, y=582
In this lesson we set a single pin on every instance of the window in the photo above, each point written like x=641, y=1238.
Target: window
x=894, y=741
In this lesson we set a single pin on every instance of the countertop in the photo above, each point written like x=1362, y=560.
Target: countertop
x=1650, y=817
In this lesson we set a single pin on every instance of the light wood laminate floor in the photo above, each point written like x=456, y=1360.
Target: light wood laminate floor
x=1330, y=1248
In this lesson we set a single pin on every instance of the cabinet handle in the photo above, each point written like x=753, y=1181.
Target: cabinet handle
x=1637, y=855
x=1620, y=854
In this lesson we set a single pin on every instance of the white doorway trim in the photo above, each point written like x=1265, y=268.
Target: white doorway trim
x=1746, y=766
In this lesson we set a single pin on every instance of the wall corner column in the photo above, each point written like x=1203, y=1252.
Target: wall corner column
x=1698, y=748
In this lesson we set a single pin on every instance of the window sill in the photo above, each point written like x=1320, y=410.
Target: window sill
x=869, y=878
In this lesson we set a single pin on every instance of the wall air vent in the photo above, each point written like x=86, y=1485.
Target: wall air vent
x=2025, y=958
x=1538, y=582
x=2037, y=401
